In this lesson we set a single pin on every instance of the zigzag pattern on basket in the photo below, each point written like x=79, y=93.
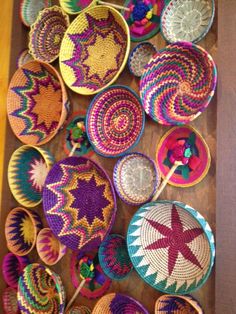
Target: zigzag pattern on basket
x=75, y=6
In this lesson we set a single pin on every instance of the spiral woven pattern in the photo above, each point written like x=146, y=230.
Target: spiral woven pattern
x=76, y=6
x=79, y=310
x=115, y=121
x=178, y=83
x=171, y=246
x=9, y=300
x=40, y=290
x=30, y=9
x=23, y=57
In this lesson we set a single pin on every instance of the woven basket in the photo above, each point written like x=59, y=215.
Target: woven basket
x=29, y=10
x=27, y=171
x=21, y=229
x=37, y=103
x=187, y=20
x=79, y=309
x=178, y=83
x=49, y=249
x=115, y=121
x=76, y=6
x=94, y=50
x=176, y=245
x=46, y=34
x=116, y=303
x=136, y=178
x=79, y=202
x=40, y=290
x=23, y=57
x=9, y=300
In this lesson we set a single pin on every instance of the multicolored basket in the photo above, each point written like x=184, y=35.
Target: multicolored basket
x=171, y=246
x=9, y=300
x=94, y=50
x=183, y=144
x=79, y=309
x=40, y=290
x=187, y=20
x=27, y=171
x=79, y=202
x=116, y=303
x=46, y=34
x=29, y=10
x=115, y=121
x=23, y=57
x=136, y=178
x=178, y=83
x=21, y=229
x=37, y=103
x=76, y=6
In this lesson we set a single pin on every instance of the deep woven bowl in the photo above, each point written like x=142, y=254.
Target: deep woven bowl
x=46, y=34
x=23, y=57
x=21, y=229
x=115, y=121
x=27, y=171
x=171, y=246
x=9, y=300
x=29, y=10
x=79, y=202
x=40, y=290
x=79, y=309
x=136, y=178
x=75, y=7
x=178, y=83
x=116, y=303
x=94, y=50
x=37, y=103
x=187, y=20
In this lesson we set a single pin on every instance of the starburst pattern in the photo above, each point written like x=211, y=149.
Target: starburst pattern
x=37, y=173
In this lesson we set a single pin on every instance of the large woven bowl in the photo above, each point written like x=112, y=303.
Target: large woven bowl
x=187, y=20
x=46, y=34
x=79, y=309
x=37, y=103
x=94, y=50
x=115, y=121
x=9, y=300
x=27, y=171
x=29, y=10
x=76, y=6
x=79, y=202
x=40, y=290
x=178, y=83
x=171, y=246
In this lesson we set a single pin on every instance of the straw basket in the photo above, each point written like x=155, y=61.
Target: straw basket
x=23, y=57
x=76, y=6
x=79, y=309
x=9, y=300
x=29, y=10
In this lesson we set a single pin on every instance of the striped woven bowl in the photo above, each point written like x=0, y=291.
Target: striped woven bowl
x=79, y=309
x=29, y=10
x=9, y=300
x=76, y=6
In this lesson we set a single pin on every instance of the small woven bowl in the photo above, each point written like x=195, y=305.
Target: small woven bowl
x=9, y=300
x=176, y=245
x=49, y=248
x=12, y=267
x=187, y=20
x=37, y=103
x=94, y=50
x=21, y=229
x=178, y=83
x=40, y=290
x=46, y=34
x=115, y=121
x=75, y=7
x=27, y=171
x=23, y=57
x=136, y=178
x=29, y=10
x=114, y=258
x=79, y=309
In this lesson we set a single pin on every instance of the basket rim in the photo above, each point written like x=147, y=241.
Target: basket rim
x=22, y=3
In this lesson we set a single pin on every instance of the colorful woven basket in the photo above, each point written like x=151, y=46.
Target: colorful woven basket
x=40, y=290
x=9, y=300
x=49, y=248
x=187, y=20
x=12, y=267
x=23, y=57
x=76, y=6
x=116, y=303
x=29, y=10
x=171, y=246
x=136, y=178
x=46, y=34
x=115, y=121
x=94, y=50
x=79, y=309
x=140, y=56
x=114, y=258
x=37, y=103
x=27, y=171
x=79, y=202
x=183, y=144
x=178, y=83
x=21, y=229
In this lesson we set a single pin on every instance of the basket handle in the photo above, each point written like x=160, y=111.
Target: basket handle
x=117, y=6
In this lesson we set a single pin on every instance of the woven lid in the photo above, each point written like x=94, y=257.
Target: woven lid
x=76, y=6
x=23, y=57
x=29, y=10
x=79, y=309
x=9, y=299
x=171, y=246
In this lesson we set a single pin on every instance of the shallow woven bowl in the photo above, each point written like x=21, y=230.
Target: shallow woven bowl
x=23, y=57
x=79, y=202
x=27, y=171
x=178, y=83
x=46, y=34
x=21, y=229
x=171, y=246
x=136, y=178
x=40, y=290
x=115, y=121
x=9, y=300
x=94, y=50
x=187, y=20
x=29, y=10
x=79, y=309
x=37, y=103
x=75, y=7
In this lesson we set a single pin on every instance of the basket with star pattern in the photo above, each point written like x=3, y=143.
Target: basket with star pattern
x=9, y=300
x=29, y=10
